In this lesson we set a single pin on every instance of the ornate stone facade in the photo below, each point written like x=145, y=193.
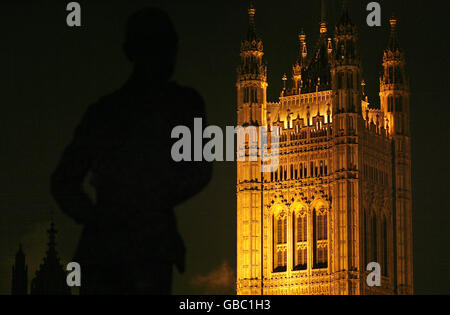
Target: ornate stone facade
x=341, y=197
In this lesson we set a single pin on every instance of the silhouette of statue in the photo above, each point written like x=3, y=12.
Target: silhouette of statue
x=130, y=240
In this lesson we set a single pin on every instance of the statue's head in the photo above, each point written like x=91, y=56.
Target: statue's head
x=151, y=43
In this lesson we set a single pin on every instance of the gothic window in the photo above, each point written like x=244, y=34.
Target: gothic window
x=280, y=243
x=340, y=80
x=250, y=95
x=350, y=124
x=320, y=234
x=279, y=231
x=254, y=95
x=300, y=229
x=390, y=103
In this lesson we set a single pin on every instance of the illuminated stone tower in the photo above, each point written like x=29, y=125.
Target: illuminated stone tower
x=252, y=77
x=251, y=100
x=394, y=97
x=341, y=197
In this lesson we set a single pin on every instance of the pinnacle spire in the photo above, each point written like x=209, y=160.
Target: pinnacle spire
x=303, y=49
x=323, y=17
x=393, y=44
x=50, y=277
x=252, y=35
x=345, y=18
x=20, y=254
x=51, y=252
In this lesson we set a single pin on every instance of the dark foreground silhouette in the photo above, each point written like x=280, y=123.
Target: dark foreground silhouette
x=130, y=239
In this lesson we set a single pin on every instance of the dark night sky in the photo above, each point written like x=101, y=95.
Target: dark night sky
x=50, y=73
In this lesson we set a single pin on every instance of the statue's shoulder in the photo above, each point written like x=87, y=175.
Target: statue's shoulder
x=187, y=97
x=108, y=105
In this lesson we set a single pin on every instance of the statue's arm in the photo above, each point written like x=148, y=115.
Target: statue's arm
x=67, y=180
x=189, y=178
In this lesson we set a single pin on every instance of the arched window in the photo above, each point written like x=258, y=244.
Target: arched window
x=246, y=94
x=280, y=243
x=390, y=103
x=300, y=224
x=320, y=234
x=254, y=95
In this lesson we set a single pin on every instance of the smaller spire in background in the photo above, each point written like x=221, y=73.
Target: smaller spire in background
x=252, y=34
x=303, y=47
x=323, y=18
